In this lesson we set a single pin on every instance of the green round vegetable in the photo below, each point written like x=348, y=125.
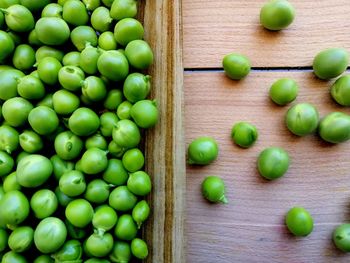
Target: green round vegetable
x=277, y=14
x=106, y=41
x=244, y=134
x=139, y=183
x=71, y=251
x=7, y=45
x=123, y=110
x=113, y=65
x=99, y=245
x=94, y=161
x=21, y=239
x=10, y=183
x=302, y=119
x=202, y=151
x=121, y=251
x=126, y=228
x=97, y=191
x=18, y=18
x=15, y=111
x=9, y=139
x=236, y=66
x=145, y=113
x=122, y=199
x=43, y=203
x=341, y=237
x=273, y=162
x=139, y=248
x=126, y=134
x=14, y=208
x=133, y=160
x=127, y=30
x=123, y=8
x=75, y=13
x=213, y=189
x=340, y=91
x=79, y=212
x=72, y=183
x=139, y=54
x=330, y=63
x=65, y=102
x=299, y=221
x=13, y=257
x=30, y=141
x=31, y=88
x=101, y=19
x=115, y=172
x=140, y=212
x=84, y=122
x=335, y=127
x=71, y=77
x=52, y=30
x=136, y=87
x=81, y=36
x=283, y=91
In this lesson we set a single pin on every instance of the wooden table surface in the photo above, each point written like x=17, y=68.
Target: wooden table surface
x=251, y=227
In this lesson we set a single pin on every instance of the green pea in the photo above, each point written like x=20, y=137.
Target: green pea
x=106, y=41
x=71, y=251
x=273, y=162
x=213, y=189
x=68, y=145
x=72, y=183
x=43, y=259
x=127, y=30
x=62, y=199
x=126, y=228
x=139, y=248
x=113, y=99
x=83, y=122
x=101, y=19
x=123, y=8
x=52, y=10
x=115, y=172
x=74, y=12
x=94, y=89
x=96, y=141
x=335, y=127
x=97, y=191
x=30, y=141
x=88, y=59
x=139, y=54
x=7, y=45
x=13, y=257
x=82, y=35
x=136, y=87
x=283, y=91
x=302, y=119
x=341, y=237
x=104, y=218
x=43, y=203
x=30, y=88
x=23, y=57
x=299, y=221
x=15, y=111
x=99, y=245
x=94, y=161
x=10, y=183
x=133, y=160
x=76, y=232
x=71, y=59
x=33, y=39
x=113, y=65
x=122, y=199
x=74, y=211
x=9, y=81
x=14, y=208
x=121, y=252
x=236, y=66
x=71, y=77
x=140, y=212
x=108, y=120
x=52, y=30
x=6, y=163
x=48, y=69
x=277, y=14
x=3, y=239
x=65, y=102
x=116, y=150
x=21, y=239
x=123, y=110
x=244, y=134
x=21, y=155
x=34, y=5
x=126, y=134
x=46, y=101
x=60, y=166
x=43, y=120
x=202, y=151
x=18, y=18
x=330, y=63
x=340, y=91
x=46, y=51
x=91, y=5
x=145, y=113
x=9, y=139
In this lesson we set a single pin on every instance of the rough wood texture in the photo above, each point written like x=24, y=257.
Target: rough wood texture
x=251, y=227
x=165, y=144
x=215, y=28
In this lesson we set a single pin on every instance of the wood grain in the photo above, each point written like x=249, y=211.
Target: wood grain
x=251, y=227
x=214, y=28
x=165, y=143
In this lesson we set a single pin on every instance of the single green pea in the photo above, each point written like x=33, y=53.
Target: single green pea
x=330, y=63
x=9, y=81
x=123, y=8
x=94, y=89
x=71, y=251
x=20, y=156
x=277, y=14
x=21, y=239
x=341, y=237
x=202, y=151
x=46, y=51
x=101, y=19
x=88, y=59
x=113, y=99
x=81, y=35
x=94, y=161
x=99, y=245
x=335, y=127
x=283, y=91
x=236, y=66
x=71, y=77
x=67, y=145
x=14, y=257
x=140, y=212
x=6, y=163
x=60, y=166
x=145, y=113
x=52, y=30
x=7, y=45
x=84, y=122
x=10, y=183
x=43, y=259
x=113, y=65
x=65, y=102
x=244, y=134
x=14, y=208
x=76, y=232
x=43, y=120
x=72, y=183
x=139, y=248
x=133, y=160
x=125, y=228
x=127, y=30
x=46, y=101
x=19, y=18
x=71, y=59
x=75, y=13
x=116, y=150
x=52, y=10
x=104, y=218
x=74, y=211
x=340, y=91
x=121, y=252
x=9, y=139
x=33, y=39
x=23, y=57
x=91, y=5
x=108, y=120
x=126, y=134
x=96, y=141
x=299, y=221
x=139, y=183
x=97, y=191
x=122, y=199
x=30, y=88
x=106, y=41
x=123, y=110
x=273, y=162
x=30, y=141
x=48, y=69
x=15, y=111
x=34, y=5
x=115, y=172
x=302, y=119
x=139, y=54
x=136, y=87
x=213, y=189
x=43, y=203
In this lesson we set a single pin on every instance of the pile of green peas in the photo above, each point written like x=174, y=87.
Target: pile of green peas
x=301, y=119
x=74, y=102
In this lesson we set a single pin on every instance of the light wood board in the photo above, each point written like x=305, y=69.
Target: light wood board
x=251, y=227
x=213, y=29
